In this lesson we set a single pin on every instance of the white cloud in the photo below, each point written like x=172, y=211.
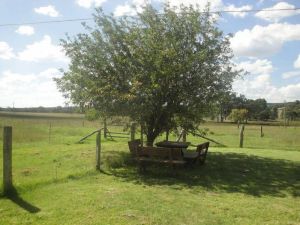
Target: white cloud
x=291, y=74
x=276, y=16
x=290, y=92
x=258, y=83
x=238, y=14
x=264, y=40
x=130, y=9
x=257, y=67
x=297, y=62
x=27, y=90
x=90, y=3
x=47, y=10
x=261, y=87
x=256, y=87
x=43, y=50
x=6, y=52
x=25, y=30
x=295, y=73
x=125, y=9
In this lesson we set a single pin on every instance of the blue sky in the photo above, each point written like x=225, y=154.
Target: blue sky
x=266, y=44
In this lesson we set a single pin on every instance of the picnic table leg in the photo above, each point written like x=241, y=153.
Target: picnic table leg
x=142, y=167
x=175, y=171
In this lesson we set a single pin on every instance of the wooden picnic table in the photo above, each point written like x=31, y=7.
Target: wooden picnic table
x=168, y=152
x=173, y=144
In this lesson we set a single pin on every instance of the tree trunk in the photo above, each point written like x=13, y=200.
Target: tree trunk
x=150, y=139
x=155, y=124
x=221, y=114
x=152, y=133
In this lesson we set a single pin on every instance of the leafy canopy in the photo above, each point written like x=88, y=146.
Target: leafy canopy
x=238, y=115
x=161, y=68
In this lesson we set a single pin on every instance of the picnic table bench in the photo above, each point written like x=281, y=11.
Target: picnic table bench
x=198, y=156
x=176, y=155
x=161, y=155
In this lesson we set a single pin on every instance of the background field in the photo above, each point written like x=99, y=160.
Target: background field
x=56, y=179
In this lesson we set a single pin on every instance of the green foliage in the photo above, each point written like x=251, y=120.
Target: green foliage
x=264, y=115
x=161, y=68
x=92, y=114
x=257, y=109
x=293, y=110
x=238, y=115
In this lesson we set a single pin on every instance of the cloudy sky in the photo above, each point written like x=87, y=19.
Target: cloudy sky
x=266, y=44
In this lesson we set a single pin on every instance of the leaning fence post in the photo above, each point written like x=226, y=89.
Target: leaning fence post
x=7, y=160
x=132, y=131
x=98, y=150
x=242, y=136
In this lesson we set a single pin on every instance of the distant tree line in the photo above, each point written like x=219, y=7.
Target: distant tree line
x=239, y=108
x=292, y=109
x=232, y=107
x=41, y=109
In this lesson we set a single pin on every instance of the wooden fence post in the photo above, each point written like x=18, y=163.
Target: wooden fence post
x=142, y=134
x=105, y=128
x=132, y=131
x=261, y=131
x=7, y=160
x=242, y=136
x=98, y=150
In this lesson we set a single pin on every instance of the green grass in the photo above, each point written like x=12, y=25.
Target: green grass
x=57, y=184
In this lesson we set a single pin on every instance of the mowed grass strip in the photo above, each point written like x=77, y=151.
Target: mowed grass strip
x=254, y=185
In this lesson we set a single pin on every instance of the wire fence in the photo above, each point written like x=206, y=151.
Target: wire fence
x=47, y=150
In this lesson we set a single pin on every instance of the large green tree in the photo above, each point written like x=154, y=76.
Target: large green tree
x=163, y=68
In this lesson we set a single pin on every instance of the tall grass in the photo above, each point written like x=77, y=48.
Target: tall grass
x=258, y=184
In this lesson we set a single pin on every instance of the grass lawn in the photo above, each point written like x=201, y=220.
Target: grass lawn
x=57, y=184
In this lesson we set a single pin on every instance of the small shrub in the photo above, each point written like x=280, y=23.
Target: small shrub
x=91, y=114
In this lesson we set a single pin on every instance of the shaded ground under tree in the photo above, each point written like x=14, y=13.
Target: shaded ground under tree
x=224, y=172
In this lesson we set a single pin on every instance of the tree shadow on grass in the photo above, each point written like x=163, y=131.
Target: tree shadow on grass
x=18, y=200
x=224, y=172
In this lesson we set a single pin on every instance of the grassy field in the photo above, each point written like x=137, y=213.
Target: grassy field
x=56, y=181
